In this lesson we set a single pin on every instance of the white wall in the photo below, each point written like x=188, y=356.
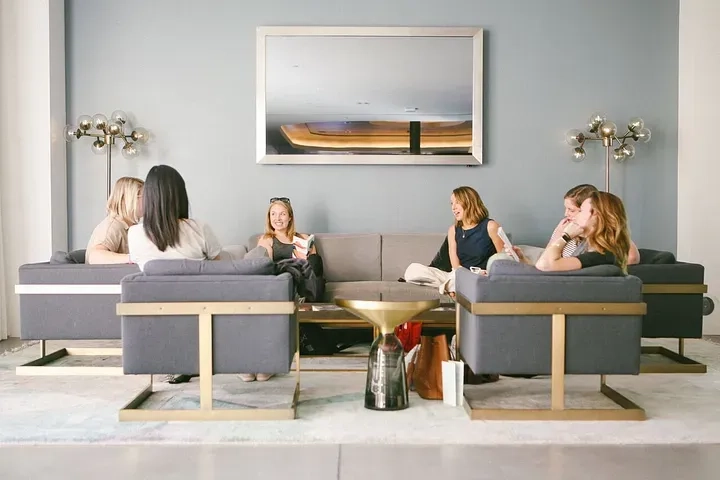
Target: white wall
x=33, y=183
x=698, y=166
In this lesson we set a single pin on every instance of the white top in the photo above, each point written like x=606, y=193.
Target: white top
x=197, y=242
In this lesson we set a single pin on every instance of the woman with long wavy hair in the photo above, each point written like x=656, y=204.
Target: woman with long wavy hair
x=602, y=224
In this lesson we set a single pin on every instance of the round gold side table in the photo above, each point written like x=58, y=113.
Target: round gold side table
x=386, y=386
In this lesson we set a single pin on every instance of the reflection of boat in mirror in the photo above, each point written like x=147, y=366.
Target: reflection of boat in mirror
x=392, y=137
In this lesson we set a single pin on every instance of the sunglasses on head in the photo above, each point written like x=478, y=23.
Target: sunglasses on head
x=280, y=199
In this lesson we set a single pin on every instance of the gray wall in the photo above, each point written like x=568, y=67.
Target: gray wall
x=186, y=70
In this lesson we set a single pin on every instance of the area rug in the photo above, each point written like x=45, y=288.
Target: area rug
x=84, y=410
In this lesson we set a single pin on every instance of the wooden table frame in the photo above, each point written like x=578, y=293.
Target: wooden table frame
x=559, y=312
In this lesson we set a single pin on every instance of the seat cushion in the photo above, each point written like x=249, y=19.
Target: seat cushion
x=353, y=290
x=388, y=291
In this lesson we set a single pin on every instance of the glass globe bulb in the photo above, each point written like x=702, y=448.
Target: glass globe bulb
x=99, y=147
x=71, y=133
x=85, y=122
x=618, y=154
x=119, y=116
x=99, y=121
x=607, y=129
x=628, y=151
x=129, y=151
x=636, y=124
x=114, y=127
x=578, y=154
x=643, y=135
x=140, y=135
x=574, y=138
x=595, y=120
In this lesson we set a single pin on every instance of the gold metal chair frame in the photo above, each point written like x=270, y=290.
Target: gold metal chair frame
x=559, y=312
x=682, y=364
x=205, y=312
x=43, y=366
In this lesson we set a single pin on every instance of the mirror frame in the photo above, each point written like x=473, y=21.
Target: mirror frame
x=474, y=158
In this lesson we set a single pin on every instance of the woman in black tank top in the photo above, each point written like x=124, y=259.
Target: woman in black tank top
x=280, y=232
x=473, y=238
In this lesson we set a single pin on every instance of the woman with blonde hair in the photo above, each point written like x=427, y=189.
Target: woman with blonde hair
x=280, y=232
x=472, y=240
x=109, y=240
x=602, y=225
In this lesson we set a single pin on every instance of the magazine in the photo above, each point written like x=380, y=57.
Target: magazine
x=503, y=236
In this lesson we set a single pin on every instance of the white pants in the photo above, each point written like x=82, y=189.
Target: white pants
x=430, y=277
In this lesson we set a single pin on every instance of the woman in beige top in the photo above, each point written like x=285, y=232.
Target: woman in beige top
x=109, y=241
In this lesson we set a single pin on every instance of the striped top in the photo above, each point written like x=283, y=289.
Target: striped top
x=570, y=247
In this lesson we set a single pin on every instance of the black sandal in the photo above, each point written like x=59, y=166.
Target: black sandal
x=184, y=378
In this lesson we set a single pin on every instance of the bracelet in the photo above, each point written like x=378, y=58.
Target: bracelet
x=566, y=237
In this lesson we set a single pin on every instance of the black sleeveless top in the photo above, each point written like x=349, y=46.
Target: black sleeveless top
x=282, y=251
x=474, y=246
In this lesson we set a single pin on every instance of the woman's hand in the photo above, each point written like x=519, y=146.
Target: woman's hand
x=299, y=253
x=573, y=230
x=518, y=251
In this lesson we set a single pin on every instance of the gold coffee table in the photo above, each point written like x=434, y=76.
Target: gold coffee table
x=386, y=385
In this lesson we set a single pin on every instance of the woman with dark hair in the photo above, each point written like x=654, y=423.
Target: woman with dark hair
x=166, y=231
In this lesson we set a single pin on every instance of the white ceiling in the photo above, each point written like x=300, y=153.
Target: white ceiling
x=322, y=78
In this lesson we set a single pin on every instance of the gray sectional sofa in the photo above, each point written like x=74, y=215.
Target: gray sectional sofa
x=63, y=300
x=370, y=264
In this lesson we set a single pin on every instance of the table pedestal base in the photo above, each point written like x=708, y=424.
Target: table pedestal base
x=386, y=386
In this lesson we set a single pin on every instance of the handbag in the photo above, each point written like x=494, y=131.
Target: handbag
x=409, y=334
x=425, y=370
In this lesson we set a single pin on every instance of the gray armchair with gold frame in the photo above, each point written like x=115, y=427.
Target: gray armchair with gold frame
x=521, y=321
x=208, y=318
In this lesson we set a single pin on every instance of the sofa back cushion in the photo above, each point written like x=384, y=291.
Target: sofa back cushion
x=648, y=256
x=73, y=257
x=254, y=266
x=401, y=249
x=511, y=267
x=347, y=257
x=350, y=257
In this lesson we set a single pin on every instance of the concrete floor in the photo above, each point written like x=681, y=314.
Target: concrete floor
x=350, y=462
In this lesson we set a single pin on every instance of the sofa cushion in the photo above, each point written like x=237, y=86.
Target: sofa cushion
x=74, y=257
x=675, y=273
x=353, y=290
x=648, y=256
x=511, y=267
x=347, y=257
x=350, y=257
x=401, y=291
x=400, y=250
x=254, y=266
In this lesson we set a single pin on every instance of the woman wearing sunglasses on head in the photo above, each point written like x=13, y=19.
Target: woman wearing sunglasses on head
x=281, y=240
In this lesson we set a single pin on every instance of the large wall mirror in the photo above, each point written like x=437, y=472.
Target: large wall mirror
x=369, y=95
